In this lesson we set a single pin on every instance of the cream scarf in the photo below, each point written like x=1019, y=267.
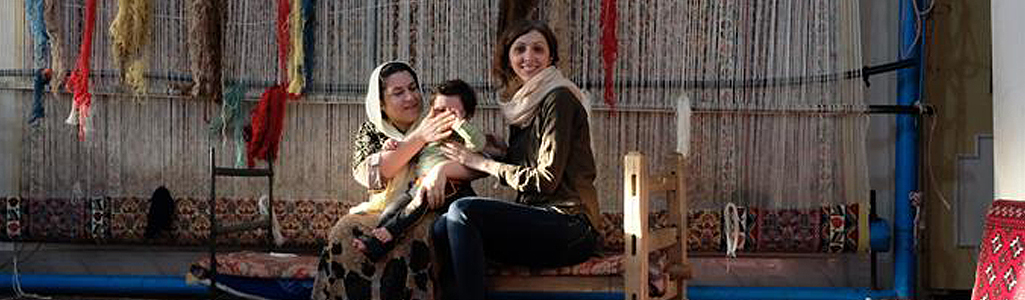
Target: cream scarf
x=521, y=109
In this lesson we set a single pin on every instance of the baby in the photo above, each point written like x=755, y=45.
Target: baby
x=405, y=209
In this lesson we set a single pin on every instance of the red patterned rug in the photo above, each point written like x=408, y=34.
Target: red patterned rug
x=1001, y=255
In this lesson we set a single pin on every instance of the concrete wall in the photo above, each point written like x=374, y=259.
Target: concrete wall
x=1008, y=102
x=957, y=82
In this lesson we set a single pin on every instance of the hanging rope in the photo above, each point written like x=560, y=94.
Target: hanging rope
x=609, y=48
x=51, y=15
x=205, y=48
x=284, y=9
x=130, y=33
x=733, y=224
x=268, y=121
x=78, y=83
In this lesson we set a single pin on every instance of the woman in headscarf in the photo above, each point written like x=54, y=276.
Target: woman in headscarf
x=396, y=129
x=549, y=164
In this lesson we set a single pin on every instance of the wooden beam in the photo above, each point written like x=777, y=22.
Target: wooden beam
x=680, y=271
x=681, y=214
x=635, y=226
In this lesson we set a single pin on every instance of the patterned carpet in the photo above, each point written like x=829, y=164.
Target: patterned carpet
x=305, y=223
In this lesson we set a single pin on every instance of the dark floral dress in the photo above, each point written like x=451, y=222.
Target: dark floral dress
x=406, y=272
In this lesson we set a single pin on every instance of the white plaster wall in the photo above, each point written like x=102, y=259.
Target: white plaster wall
x=1008, y=99
x=11, y=32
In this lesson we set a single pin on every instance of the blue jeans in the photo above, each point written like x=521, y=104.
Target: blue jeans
x=509, y=233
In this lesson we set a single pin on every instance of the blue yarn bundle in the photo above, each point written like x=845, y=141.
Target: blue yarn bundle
x=309, y=18
x=231, y=119
x=37, y=97
x=41, y=41
x=40, y=49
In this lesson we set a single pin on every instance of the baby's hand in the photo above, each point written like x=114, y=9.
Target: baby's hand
x=391, y=145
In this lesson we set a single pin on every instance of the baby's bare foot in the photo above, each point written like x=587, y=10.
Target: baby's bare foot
x=382, y=235
x=356, y=243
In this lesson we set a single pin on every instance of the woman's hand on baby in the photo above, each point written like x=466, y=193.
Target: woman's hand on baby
x=458, y=153
x=435, y=127
x=432, y=187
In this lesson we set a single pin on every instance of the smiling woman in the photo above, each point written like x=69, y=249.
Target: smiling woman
x=549, y=163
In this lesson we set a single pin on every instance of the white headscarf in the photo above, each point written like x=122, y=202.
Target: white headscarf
x=373, y=103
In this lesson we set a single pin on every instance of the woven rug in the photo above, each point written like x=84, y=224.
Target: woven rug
x=1001, y=255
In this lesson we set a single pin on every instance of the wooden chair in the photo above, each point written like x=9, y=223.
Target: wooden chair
x=640, y=240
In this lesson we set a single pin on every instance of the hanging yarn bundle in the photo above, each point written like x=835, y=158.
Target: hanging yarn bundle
x=51, y=15
x=284, y=10
x=205, y=48
x=78, y=83
x=309, y=24
x=269, y=114
x=267, y=125
x=230, y=120
x=511, y=11
x=41, y=78
x=41, y=42
x=130, y=33
x=295, y=58
x=609, y=49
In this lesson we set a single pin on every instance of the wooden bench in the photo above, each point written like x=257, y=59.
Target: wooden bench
x=640, y=240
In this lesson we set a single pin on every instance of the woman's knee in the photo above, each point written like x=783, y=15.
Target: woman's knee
x=439, y=229
x=461, y=210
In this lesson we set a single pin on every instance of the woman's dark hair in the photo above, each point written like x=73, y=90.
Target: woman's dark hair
x=392, y=68
x=457, y=87
x=500, y=67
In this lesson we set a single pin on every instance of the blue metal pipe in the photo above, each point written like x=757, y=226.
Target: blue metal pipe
x=906, y=155
x=785, y=293
x=103, y=284
x=723, y=293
